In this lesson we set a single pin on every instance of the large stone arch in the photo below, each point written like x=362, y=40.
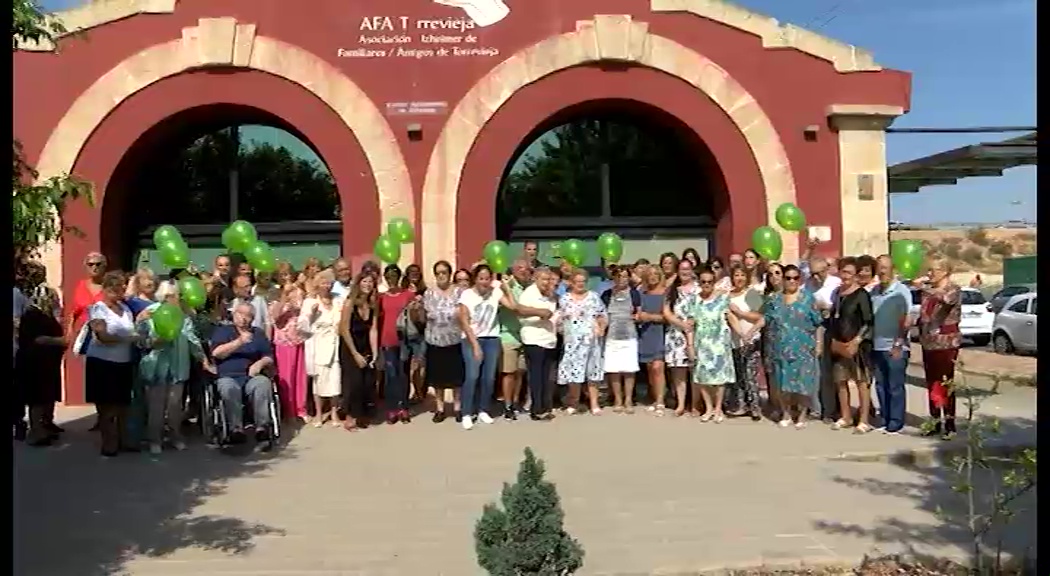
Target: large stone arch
x=605, y=38
x=224, y=42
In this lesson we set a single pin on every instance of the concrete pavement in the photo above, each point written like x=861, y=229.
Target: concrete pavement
x=643, y=494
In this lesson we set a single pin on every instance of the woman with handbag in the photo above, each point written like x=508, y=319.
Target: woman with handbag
x=851, y=322
x=939, y=316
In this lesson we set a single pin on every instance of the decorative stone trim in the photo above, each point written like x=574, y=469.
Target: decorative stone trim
x=845, y=57
x=224, y=42
x=606, y=37
x=99, y=12
x=862, y=116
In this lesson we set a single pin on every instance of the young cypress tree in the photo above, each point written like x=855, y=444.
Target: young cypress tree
x=526, y=536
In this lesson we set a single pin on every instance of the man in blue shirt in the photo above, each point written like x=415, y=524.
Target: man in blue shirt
x=891, y=301
x=243, y=355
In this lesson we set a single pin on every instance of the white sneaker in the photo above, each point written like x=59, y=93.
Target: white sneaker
x=468, y=422
x=485, y=418
x=155, y=449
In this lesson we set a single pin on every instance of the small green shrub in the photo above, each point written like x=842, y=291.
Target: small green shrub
x=978, y=236
x=526, y=536
x=1001, y=248
x=951, y=250
x=972, y=256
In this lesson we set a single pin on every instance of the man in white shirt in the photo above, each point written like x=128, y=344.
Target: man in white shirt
x=343, y=278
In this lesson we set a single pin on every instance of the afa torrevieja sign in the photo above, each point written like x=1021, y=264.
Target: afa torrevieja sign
x=448, y=37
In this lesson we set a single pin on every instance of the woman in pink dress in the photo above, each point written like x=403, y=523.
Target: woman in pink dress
x=288, y=346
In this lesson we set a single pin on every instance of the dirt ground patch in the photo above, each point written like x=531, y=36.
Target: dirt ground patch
x=975, y=249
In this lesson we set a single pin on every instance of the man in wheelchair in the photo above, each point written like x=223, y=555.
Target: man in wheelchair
x=243, y=358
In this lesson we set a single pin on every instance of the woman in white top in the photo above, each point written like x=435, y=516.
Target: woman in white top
x=538, y=307
x=479, y=319
x=319, y=320
x=745, y=305
x=109, y=370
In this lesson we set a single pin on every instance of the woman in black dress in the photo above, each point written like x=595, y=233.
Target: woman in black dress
x=38, y=364
x=852, y=321
x=359, y=337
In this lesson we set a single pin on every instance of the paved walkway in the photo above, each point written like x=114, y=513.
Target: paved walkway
x=643, y=494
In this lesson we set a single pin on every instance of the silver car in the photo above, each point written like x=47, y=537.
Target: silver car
x=998, y=300
x=1015, y=328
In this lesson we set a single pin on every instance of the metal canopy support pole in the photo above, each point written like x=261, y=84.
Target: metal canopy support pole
x=234, y=180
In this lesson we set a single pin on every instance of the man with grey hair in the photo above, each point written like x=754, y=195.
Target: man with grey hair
x=343, y=277
x=243, y=357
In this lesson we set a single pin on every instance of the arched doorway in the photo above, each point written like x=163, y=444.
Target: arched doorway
x=201, y=168
x=613, y=166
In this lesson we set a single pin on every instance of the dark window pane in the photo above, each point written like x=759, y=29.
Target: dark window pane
x=558, y=175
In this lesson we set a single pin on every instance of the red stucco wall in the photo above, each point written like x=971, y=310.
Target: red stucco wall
x=794, y=88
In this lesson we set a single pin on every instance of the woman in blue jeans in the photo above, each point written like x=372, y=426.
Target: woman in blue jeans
x=478, y=307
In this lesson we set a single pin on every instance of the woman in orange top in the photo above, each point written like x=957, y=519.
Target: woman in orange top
x=87, y=292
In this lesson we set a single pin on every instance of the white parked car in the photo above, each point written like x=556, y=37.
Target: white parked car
x=977, y=316
x=1015, y=328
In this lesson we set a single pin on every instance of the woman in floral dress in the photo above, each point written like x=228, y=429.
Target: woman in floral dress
x=582, y=320
x=679, y=301
x=793, y=318
x=710, y=347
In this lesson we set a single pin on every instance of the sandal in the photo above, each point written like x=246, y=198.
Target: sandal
x=596, y=411
x=679, y=412
x=840, y=424
x=800, y=424
x=720, y=418
x=862, y=428
x=659, y=411
x=570, y=411
x=617, y=410
x=785, y=423
x=628, y=409
x=706, y=417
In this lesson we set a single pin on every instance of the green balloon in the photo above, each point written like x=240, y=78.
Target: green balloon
x=387, y=249
x=192, y=291
x=238, y=236
x=400, y=230
x=167, y=321
x=610, y=247
x=907, y=257
x=496, y=252
x=790, y=217
x=166, y=233
x=174, y=254
x=572, y=251
x=256, y=250
x=767, y=242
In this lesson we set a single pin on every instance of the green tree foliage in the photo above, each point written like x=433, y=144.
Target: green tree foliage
x=191, y=186
x=35, y=204
x=652, y=172
x=527, y=536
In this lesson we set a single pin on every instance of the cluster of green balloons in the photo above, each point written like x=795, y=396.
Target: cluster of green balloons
x=173, y=250
x=240, y=237
x=388, y=246
x=766, y=240
x=574, y=250
x=907, y=257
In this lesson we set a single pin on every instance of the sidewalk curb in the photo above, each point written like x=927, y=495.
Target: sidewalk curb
x=933, y=455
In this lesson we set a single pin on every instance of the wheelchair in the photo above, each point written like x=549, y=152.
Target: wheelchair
x=214, y=426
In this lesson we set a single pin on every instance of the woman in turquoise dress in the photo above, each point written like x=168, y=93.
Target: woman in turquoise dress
x=792, y=318
x=710, y=347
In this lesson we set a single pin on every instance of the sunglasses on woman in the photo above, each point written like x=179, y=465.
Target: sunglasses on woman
x=792, y=278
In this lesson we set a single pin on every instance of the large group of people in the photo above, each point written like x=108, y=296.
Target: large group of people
x=675, y=335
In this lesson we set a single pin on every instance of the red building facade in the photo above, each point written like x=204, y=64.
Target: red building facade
x=417, y=106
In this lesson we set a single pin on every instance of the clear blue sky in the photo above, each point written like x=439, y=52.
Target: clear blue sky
x=973, y=63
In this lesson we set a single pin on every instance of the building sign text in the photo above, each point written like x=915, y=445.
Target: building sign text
x=406, y=37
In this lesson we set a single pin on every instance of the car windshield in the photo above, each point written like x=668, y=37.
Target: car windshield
x=972, y=297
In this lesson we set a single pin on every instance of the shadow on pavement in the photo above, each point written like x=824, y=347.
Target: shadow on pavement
x=78, y=514
x=933, y=487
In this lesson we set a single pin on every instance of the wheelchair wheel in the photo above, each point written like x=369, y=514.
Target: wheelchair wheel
x=275, y=412
x=213, y=417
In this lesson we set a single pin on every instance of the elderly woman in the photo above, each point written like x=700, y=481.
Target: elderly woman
x=289, y=351
x=109, y=369
x=38, y=361
x=142, y=290
x=583, y=320
x=793, y=317
x=939, y=316
x=319, y=319
x=710, y=347
x=165, y=369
